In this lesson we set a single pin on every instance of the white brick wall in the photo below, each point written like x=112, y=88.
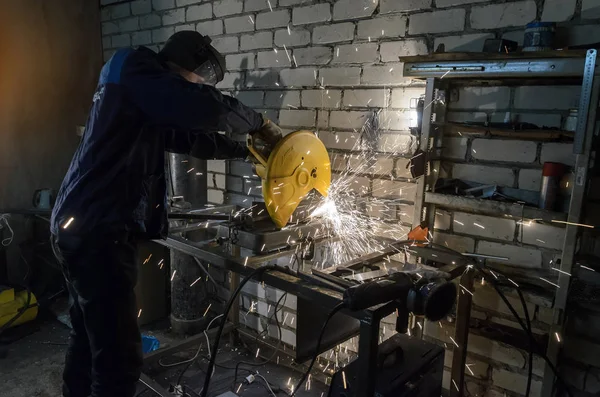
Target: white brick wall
x=271, y=59
x=390, y=26
x=384, y=75
x=558, y=153
x=503, y=15
x=223, y=8
x=484, y=226
x=484, y=174
x=462, y=43
x=392, y=51
x=256, y=41
x=311, y=14
x=210, y=28
x=482, y=98
x=293, y=38
x=530, y=179
x=366, y=98
x=504, y=150
x=198, y=12
x=334, y=33
x=356, y=53
x=558, y=10
x=352, y=9
x=518, y=256
x=322, y=98
x=545, y=236
x=454, y=148
x=345, y=76
x=547, y=97
x=298, y=77
x=313, y=56
x=238, y=25
x=269, y=20
x=316, y=88
x=387, y=6
x=590, y=9
x=437, y=22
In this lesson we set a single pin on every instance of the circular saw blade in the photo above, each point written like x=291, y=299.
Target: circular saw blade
x=297, y=165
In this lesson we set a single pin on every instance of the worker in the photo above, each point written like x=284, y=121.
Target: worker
x=114, y=193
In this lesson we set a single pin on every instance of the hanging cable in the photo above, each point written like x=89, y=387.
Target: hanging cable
x=8, y=240
x=336, y=309
x=256, y=272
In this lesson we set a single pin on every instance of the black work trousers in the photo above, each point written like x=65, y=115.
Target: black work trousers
x=104, y=355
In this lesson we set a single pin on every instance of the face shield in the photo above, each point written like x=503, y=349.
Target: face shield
x=208, y=73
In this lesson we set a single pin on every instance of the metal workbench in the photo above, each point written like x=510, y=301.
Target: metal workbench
x=320, y=295
x=443, y=71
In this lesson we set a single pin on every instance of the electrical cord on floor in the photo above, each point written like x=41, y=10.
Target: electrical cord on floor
x=266, y=383
x=191, y=361
x=232, y=299
x=336, y=309
x=197, y=351
x=528, y=322
x=267, y=329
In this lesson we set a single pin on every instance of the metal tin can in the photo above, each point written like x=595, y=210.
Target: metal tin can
x=539, y=36
x=551, y=176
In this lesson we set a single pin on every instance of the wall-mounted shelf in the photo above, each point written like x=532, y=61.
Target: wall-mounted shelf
x=492, y=208
x=445, y=71
x=458, y=130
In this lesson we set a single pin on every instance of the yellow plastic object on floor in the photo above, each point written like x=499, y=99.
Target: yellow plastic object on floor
x=298, y=164
x=11, y=303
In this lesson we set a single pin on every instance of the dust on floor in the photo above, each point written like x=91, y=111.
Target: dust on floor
x=33, y=366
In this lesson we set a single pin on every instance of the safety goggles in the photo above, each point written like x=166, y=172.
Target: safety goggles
x=208, y=73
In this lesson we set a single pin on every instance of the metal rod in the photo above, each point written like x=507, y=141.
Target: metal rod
x=461, y=335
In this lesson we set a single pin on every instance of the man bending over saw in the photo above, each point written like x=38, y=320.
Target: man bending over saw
x=115, y=193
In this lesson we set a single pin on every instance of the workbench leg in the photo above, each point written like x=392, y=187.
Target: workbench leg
x=368, y=346
x=234, y=315
x=461, y=334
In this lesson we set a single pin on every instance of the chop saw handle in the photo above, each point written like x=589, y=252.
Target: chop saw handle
x=373, y=293
x=255, y=152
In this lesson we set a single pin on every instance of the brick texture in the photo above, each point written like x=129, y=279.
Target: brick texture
x=387, y=6
x=503, y=150
x=311, y=14
x=335, y=33
x=390, y=26
x=353, y=9
x=503, y=15
x=437, y=22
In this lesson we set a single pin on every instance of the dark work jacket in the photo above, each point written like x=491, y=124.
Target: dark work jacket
x=116, y=180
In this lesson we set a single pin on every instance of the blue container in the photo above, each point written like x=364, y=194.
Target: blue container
x=539, y=36
x=149, y=344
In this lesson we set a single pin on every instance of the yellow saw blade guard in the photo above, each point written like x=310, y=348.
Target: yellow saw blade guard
x=298, y=164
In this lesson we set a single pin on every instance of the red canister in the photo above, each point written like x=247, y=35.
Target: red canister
x=551, y=176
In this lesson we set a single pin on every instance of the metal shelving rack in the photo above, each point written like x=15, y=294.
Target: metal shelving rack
x=442, y=71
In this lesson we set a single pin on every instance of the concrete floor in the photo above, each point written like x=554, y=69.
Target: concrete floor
x=32, y=367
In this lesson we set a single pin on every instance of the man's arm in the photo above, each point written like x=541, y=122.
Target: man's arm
x=205, y=145
x=169, y=100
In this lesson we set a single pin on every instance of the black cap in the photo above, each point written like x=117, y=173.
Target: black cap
x=189, y=50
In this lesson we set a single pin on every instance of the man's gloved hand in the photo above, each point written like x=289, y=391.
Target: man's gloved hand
x=269, y=133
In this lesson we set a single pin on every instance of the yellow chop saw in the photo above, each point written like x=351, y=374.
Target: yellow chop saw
x=297, y=165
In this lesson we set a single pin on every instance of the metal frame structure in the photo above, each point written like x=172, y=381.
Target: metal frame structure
x=555, y=67
x=326, y=298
